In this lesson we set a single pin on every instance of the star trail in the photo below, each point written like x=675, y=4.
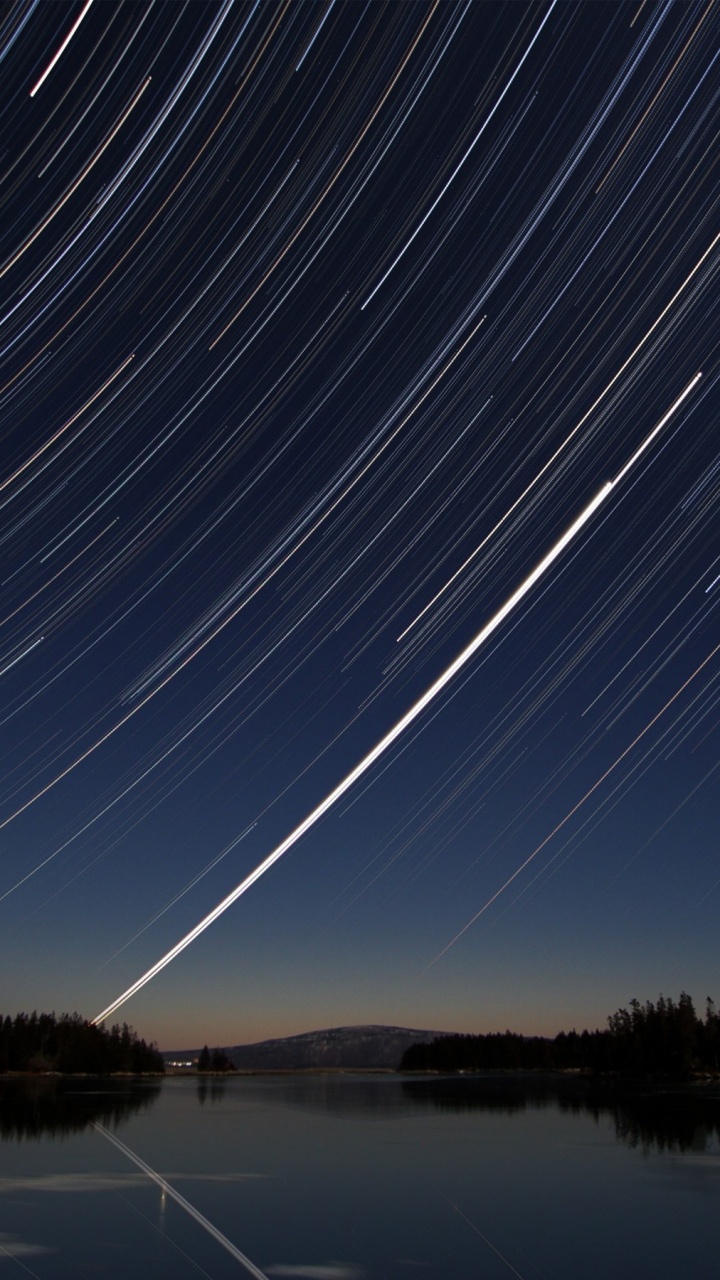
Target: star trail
x=359, y=372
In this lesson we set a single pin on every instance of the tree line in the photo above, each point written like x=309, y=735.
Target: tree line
x=69, y=1043
x=665, y=1038
x=215, y=1061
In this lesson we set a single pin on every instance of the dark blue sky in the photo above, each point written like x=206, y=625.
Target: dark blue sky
x=320, y=323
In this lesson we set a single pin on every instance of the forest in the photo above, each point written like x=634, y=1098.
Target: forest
x=69, y=1043
x=666, y=1038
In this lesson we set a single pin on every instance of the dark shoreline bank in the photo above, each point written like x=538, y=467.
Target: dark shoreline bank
x=582, y=1081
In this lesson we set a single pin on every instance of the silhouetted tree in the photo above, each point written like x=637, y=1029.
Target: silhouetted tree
x=710, y=1037
x=69, y=1043
x=666, y=1038
x=215, y=1061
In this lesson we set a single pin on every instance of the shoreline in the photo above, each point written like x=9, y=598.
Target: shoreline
x=697, y=1083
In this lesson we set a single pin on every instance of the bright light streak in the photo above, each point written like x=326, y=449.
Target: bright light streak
x=561, y=447
x=238, y=608
x=401, y=725
x=62, y=48
x=372, y=755
x=168, y=1190
x=665, y=418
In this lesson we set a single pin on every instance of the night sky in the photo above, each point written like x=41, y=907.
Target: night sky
x=320, y=323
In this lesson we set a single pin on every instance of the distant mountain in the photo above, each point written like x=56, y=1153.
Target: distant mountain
x=348, y=1047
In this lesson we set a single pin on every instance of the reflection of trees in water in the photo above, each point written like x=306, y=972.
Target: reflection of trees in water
x=210, y=1088
x=669, y=1123
x=666, y=1120
x=42, y=1107
x=663, y=1120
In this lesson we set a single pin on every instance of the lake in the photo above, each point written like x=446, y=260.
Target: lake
x=346, y=1177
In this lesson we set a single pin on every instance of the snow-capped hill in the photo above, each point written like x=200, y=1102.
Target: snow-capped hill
x=348, y=1047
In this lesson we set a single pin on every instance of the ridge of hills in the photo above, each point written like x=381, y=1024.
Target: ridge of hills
x=344, y=1047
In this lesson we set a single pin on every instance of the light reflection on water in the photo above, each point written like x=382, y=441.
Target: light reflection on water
x=353, y=1177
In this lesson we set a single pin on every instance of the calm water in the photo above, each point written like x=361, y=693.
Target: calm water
x=340, y=1178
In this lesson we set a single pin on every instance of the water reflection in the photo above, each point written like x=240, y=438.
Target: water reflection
x=665, y=1120
x=214, y=1089
x=393, y=1175
x=50, y=1107
x=669, y=1120
x=375, y=1097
